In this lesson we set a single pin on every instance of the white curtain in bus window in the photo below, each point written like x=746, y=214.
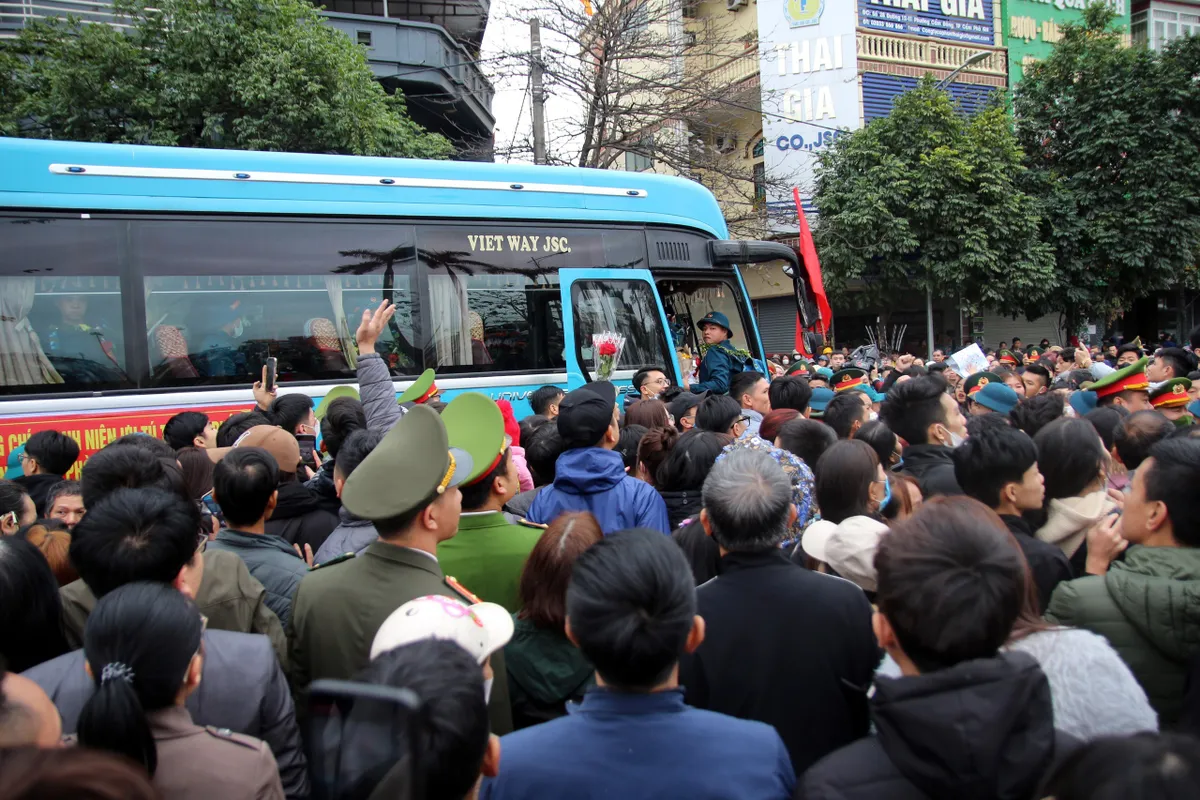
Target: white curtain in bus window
x=22, y=361
x=625, y=307
x=61, y=324
x=449, y=320
x=224, y=295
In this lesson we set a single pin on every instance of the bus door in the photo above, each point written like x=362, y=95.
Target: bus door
x=623, y=301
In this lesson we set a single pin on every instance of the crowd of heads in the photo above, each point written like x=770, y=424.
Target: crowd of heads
x=741, y=473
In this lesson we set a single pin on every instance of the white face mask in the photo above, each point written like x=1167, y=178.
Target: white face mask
x=956, y=439
x=239, y=328
x=874, y=415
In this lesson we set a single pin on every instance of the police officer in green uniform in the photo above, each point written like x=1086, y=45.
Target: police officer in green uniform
x=489, y=552
x=721, y=359
x=409, y=487
x=423, y=390
x=1170, y=398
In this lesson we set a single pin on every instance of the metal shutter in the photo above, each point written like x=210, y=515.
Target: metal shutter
x=998, y=328
x=777, y=323
x=879, y=91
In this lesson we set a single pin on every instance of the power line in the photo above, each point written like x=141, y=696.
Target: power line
x=724, y=102
x=520, y=111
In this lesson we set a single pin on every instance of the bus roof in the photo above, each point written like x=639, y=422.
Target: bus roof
x=107, y=177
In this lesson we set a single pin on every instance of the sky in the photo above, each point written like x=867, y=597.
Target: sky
x=508, y=32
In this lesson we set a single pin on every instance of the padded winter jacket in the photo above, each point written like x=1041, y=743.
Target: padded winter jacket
x=1148, y=608
x=593, y=479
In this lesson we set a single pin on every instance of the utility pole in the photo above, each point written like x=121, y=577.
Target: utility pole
x=539, y=95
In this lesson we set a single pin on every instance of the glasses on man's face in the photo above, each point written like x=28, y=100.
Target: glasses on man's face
x=201, y=542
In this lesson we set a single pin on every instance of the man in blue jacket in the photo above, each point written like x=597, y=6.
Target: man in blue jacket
x=721, y=360
x=631, y=611
x=590, y=476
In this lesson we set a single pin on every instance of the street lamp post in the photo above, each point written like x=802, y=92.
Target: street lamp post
x=942, y=84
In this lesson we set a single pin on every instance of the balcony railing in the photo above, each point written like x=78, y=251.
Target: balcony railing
x=425, y=61
x=15, y=14
x=925, y=53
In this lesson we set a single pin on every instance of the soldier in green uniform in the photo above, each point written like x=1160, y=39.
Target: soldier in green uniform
x=1170, y=398
x=408, y=487
x=489, y=552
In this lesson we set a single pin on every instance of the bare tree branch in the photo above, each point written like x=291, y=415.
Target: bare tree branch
x=643, y=78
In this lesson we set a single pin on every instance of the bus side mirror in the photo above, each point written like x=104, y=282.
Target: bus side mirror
x=732, y=252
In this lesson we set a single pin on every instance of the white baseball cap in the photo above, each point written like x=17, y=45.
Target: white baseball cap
x=481, y=629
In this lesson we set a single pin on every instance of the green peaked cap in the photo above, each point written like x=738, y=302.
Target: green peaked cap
x=407, y=470
x=475, y=424
x=420, y=387
x=334, y=394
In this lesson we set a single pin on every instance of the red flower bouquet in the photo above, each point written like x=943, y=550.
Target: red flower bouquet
x=608, y=347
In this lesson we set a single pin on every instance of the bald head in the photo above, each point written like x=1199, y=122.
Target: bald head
x=27, y=717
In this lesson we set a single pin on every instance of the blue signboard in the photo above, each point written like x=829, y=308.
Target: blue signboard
x=968, y=21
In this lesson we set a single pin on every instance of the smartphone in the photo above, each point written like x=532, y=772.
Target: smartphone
x=308, y=444
x=361, y=742
x=272, y=366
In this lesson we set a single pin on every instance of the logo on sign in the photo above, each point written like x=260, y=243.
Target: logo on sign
x=802, y=13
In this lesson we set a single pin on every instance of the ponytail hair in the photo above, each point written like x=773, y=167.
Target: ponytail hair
x=139, y=641
x=653, y=450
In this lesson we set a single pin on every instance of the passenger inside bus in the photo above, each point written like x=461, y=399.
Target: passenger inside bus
x=80, y=331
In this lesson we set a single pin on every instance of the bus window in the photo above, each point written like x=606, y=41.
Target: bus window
x=686, y=301
x=625, y=307
x=223, y=295
x=60, y=305
x=493, y=291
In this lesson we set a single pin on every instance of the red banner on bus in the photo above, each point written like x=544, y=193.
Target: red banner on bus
x=94, y=431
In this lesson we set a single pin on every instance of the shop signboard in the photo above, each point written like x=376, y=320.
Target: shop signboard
x=810, y=93
x=963, y=21
x=1032, y=27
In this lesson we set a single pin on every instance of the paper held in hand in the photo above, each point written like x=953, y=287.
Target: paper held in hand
x=968, y=361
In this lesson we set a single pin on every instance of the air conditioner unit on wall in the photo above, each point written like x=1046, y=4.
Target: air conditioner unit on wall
x=725, y=142
x=734, y=5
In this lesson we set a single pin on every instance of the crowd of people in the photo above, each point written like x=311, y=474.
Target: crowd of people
x=838, y=580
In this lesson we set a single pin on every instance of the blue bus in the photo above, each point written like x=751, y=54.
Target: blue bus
x=136, y=281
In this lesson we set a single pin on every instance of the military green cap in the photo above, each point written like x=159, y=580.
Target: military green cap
x=408, y=469
x=474, y=423
x=1034, y=352
x=801, y=367
x=334, y=394
x=848, y=378
x=422, y=390
x=1171, y=394
x=1131, y=378
x=979, y=380
x=1008, y=357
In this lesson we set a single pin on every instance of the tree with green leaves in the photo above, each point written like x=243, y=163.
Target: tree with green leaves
x=927, y=198
x=1111, y=141
x=235, y=74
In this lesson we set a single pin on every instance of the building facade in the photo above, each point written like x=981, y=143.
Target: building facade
x=429, y=50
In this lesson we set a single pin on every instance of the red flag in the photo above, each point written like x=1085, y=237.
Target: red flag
x=812, y=270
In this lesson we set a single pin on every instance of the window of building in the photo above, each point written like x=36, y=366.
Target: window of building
x=760, y=185
x=1171, y=25
x=639, y=18
x=61, y=311
x=641, y=159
